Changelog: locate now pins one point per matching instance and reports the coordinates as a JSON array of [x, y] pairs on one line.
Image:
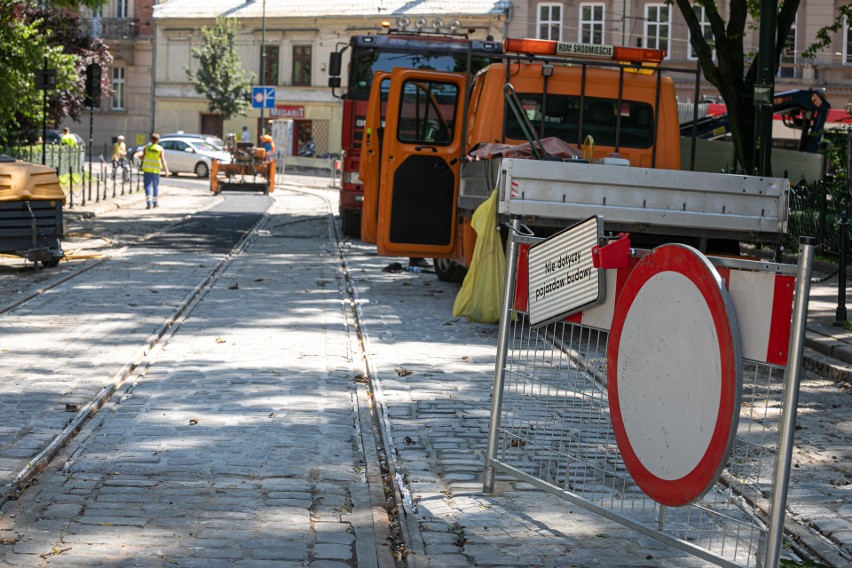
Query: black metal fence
[[81, 180], [816, 210]]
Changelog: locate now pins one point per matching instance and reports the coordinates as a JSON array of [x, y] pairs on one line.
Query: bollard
[[840, 313]]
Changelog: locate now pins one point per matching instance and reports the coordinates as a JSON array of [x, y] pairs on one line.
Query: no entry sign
[[674, 365]]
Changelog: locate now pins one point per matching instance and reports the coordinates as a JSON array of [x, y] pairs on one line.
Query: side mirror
[[334, 82], [335, 61], [189, 150]]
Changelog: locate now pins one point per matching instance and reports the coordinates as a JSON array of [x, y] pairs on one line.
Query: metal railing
[[110, 28], [551, 427], [73, 170]]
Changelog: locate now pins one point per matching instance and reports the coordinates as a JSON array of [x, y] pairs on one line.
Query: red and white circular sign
[[674, 364]]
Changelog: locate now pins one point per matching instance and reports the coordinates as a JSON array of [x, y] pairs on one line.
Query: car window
[[167, 144], [204, 147], [180, 145]]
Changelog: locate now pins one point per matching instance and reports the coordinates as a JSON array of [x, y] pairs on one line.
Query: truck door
[[420, 170], [371, 154]]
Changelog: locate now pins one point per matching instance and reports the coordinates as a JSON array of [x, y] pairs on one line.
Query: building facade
[[657, 24], [152, 43], [285, 46], [127, 28]]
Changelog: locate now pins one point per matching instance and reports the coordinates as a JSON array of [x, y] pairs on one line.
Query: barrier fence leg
[[840, 312], [502, 350], [792, 379]]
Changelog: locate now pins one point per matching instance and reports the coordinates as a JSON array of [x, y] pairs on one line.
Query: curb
[[825, 365]]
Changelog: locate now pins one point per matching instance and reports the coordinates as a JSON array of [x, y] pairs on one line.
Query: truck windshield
[[561, 118], [366, 61]]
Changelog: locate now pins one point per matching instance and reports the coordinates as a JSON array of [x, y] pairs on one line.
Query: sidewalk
[[828, 347]]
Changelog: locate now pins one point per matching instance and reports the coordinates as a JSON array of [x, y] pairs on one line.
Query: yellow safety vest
[[151, 158], [118, 150]]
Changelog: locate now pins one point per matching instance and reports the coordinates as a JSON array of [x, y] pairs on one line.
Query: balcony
[[110, 28]]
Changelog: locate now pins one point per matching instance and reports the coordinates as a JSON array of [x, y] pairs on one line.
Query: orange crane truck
[[432, 155]]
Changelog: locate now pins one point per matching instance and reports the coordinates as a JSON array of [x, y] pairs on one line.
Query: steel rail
[[399, 512], [153, 342]]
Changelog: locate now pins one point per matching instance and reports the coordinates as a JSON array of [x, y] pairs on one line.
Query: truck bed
[[639, 200]]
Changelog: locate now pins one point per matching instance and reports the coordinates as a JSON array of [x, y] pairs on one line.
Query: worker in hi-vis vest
[[153, 160]]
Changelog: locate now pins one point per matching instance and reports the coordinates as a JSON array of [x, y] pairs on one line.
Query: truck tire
[[448, 270], [350, 223]]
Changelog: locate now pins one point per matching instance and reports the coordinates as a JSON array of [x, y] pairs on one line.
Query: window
[[847, 43], [549, 24], [428, 112], [657, 27], [121, 9], [302, 65], [788, 53], [701, 14], [118, 86], [561, 118], [270, 65], [592, 23]]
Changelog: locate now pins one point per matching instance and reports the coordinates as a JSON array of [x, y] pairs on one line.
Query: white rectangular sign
[[563, 279], [594, 50]]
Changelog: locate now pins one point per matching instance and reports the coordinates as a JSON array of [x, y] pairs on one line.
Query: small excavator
[[250, 169]]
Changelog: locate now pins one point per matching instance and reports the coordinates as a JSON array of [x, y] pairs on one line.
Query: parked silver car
[[214, 141], [192, 155]]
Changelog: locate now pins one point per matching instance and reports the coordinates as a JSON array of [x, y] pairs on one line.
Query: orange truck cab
[[420, 127]]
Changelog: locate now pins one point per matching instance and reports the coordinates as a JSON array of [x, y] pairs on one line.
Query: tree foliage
[[29, 34], [734, 71], [824, 35], [220, 77]]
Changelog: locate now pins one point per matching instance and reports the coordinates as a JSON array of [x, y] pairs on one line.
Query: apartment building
[[657, 24], [152, 43], [127, 28], [286, 46]]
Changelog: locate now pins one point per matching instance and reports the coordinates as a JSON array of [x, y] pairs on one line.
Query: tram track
[[388, 506], [142, 359], [384, 484]]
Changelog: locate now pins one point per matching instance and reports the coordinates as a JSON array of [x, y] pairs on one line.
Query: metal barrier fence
[[81, 181], [816, 209], [551, 427]]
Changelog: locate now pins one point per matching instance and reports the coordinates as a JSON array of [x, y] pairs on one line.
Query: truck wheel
[[202, 170], [350, 222], [448, 270]]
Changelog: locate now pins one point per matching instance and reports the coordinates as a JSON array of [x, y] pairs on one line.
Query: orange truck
[[431, 155]]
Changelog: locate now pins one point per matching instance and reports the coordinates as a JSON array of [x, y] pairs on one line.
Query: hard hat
[[121, 137]]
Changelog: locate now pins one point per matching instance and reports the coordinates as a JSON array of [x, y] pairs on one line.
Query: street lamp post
[[262, 57]]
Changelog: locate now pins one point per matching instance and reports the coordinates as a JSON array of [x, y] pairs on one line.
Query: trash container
[[31, 201]]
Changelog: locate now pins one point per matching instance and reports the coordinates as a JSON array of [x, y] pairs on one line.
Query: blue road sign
[[263, 97]]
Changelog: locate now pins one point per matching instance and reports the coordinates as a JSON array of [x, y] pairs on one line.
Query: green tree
[[733, 71], [220, 77], [29, 33]]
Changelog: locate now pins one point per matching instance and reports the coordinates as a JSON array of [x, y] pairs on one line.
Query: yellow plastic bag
[[481, 293]]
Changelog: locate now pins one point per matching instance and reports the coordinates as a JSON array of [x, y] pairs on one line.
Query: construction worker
[[268, 144], [119, 154], [68, 139], [153, 161]]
